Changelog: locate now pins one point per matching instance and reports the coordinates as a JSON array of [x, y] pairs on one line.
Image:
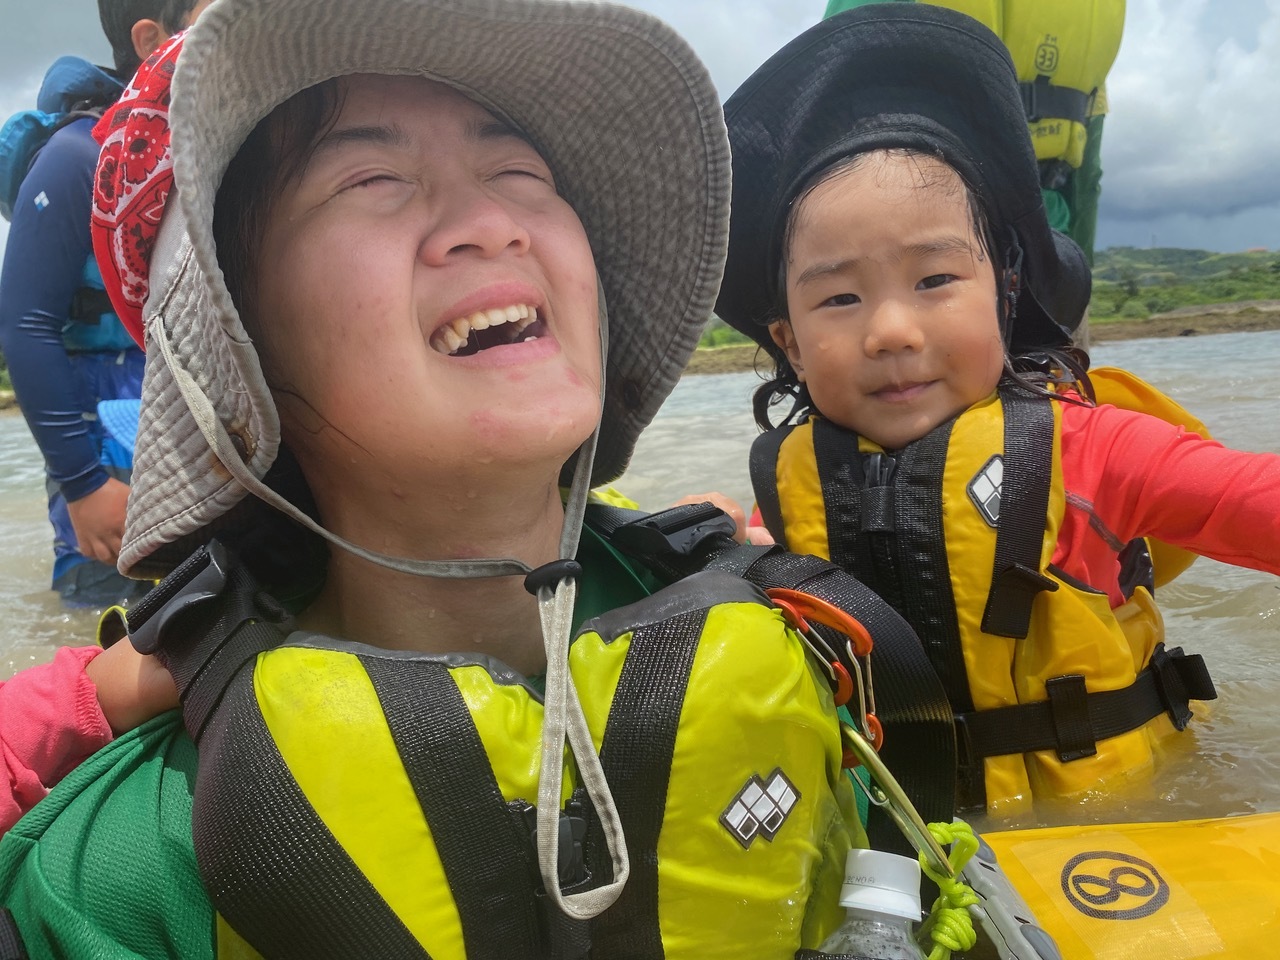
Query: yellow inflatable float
[[1139, 891]]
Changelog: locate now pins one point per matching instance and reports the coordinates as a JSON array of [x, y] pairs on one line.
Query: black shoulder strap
[[206, 622], [763, 464], [1024, 503], [910, 702]]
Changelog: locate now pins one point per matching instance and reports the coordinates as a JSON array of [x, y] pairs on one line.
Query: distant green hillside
[[1134, 283]]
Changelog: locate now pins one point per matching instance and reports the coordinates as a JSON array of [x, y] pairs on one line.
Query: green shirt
[[104, 867]]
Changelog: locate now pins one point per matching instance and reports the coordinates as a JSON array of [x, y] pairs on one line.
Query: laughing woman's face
[[427, 302]]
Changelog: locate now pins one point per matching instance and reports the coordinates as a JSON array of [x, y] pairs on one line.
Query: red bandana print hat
[[133, 180]]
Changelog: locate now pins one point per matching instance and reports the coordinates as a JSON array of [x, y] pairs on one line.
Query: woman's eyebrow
[[391, 135], [492, 129]]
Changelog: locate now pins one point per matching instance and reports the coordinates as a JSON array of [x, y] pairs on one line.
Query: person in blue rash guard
[[64, 355]]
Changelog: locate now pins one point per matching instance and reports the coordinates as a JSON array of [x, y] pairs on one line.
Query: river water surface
[[1228, 762]]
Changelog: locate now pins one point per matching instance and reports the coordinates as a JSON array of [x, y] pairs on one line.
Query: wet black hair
[[288, 559], [119, 16], [1042, 372]]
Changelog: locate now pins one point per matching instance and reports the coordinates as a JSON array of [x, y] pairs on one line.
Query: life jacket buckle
[[679, 531], [841, 666], [1179, 680], [199, 579]]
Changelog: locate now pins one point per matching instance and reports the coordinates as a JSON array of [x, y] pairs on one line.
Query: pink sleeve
[[49, 722], [1148, 478]]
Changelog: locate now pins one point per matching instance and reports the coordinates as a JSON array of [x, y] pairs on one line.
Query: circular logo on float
[[1113, 886]]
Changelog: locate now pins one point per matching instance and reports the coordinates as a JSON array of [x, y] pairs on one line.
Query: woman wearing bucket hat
[[377, 302], [889, 249]]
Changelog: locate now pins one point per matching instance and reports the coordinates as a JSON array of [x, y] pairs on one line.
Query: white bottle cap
[[882, 882]]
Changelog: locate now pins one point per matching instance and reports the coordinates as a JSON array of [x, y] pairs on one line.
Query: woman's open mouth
[[496, 327]]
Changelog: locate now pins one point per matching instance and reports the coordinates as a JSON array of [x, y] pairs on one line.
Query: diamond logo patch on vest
[[760, 808], [984, 490]]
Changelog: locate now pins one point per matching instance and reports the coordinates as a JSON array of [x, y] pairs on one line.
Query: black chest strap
[[1073, 719], [1016, 578]]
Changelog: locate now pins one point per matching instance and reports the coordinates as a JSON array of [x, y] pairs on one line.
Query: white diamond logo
[[984, 490], [760, 808]]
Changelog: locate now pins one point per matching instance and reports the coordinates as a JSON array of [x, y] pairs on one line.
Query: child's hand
[[727, 504], [132, 688]]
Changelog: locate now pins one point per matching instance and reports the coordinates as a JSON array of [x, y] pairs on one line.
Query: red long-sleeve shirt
[[50, 721], [1130, 475]]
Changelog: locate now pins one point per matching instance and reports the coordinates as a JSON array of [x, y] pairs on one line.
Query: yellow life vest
[[885, 518], [1062, 50], [356, 801]]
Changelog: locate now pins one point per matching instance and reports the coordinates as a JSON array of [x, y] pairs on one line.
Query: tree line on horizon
[[1129, 283], [1132, 283]]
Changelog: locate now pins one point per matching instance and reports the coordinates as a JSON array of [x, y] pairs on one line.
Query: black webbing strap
[[88, 304], [1073, 720], [271, 865], [842, 476], [910, 702], [11, 945], [763, 465], [919, 742], [204, 622], [639, 741], [1024, 503], [1043, 100], [483, 844], [883, 519]]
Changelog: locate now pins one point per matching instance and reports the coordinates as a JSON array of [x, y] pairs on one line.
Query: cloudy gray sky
[[1192, 147]]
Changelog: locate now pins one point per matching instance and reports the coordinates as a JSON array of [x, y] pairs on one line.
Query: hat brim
[[878, 77], [617, 103]]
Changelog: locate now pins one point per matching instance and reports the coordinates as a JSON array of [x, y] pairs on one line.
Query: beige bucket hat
[[616, 102]]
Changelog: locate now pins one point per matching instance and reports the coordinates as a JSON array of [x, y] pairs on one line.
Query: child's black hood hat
[[892, 75]]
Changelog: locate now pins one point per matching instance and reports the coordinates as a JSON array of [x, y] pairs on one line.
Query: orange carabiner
[[805, 607]]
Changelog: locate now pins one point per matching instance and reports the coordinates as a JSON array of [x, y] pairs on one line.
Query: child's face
[[892, 300]]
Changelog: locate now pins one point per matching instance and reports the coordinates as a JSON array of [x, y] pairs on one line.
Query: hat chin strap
[[563, 719]]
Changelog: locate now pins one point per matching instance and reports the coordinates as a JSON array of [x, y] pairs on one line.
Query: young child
[[889, 248]]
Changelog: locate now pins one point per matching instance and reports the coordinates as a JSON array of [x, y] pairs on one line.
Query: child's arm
[[55, 715], [1145, 477]]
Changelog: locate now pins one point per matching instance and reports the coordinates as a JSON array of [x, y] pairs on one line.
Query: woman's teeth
[[506, 324]]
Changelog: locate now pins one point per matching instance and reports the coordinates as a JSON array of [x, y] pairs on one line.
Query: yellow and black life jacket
[[1062, 50], [1055, 694], [356, 801]]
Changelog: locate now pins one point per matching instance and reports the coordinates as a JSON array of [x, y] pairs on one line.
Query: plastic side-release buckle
[[567, 938], [1179, 679], [201, 578], [680, 531]]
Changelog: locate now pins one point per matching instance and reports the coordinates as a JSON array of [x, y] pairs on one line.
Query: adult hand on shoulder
[[132, 688], [98, 521]]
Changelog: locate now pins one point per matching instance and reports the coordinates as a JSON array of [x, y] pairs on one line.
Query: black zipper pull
[[876, 501]]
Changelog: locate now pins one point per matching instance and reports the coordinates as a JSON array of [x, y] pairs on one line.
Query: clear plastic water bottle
[[881, 893]]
